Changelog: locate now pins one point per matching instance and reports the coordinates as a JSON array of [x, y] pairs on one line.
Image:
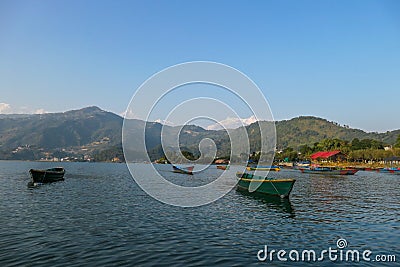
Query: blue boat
[[389, 170]]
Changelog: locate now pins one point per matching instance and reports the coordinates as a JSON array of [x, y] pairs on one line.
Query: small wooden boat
[[389, 170], [223, 167], [47, 176], [328, 171], [264, 168], [267, 186], [184, 170]]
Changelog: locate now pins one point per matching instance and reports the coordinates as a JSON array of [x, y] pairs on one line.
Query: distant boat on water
[[303, 164], [368, 169], [268, 186], [264, 168], [223, 167], [389, 170], [328, 171], [184, 170], [48, 175]]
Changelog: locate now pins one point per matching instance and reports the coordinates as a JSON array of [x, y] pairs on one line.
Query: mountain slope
[[60, 130], [308, 130], [91, 130]]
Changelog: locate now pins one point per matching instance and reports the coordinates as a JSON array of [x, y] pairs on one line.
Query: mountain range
[[90, 131]]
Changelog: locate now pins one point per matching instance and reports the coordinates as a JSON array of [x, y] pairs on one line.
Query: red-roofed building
[[335, 155]]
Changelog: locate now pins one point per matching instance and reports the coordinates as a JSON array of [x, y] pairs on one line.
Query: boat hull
[[185, 170], [222, 167], [389, 170], [261, 168], [47, 176], [330, 172], [271, 187]]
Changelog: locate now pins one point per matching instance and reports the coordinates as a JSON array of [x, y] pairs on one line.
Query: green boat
[[268, 186]]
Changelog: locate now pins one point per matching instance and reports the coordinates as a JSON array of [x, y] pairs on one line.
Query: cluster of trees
[[397, 144], [356, 150], [109, 154], [26, 154], [372, 154]]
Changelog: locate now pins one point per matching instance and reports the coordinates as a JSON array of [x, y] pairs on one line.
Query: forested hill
[[59, 130], [90, 131], [308, 130]]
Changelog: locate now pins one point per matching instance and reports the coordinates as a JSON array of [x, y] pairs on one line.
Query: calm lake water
[[98, 216]]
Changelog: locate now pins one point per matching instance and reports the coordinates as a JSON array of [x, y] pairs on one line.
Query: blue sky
[[339, 60]]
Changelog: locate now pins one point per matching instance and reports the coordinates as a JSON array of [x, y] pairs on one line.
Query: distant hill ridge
[[58, 130], [308, 130], [90, 126]]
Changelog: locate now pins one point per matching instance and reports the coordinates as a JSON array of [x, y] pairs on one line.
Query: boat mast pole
[[44, 175]]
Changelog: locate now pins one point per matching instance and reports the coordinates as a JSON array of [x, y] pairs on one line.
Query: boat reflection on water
[[273, 202]]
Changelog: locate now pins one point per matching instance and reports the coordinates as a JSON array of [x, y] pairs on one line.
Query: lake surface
[[98, 216]]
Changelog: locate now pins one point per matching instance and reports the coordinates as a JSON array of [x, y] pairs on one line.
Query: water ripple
[[99, 216]]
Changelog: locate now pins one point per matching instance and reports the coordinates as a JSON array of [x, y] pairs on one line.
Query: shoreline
[[332, 164]]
